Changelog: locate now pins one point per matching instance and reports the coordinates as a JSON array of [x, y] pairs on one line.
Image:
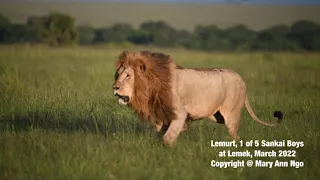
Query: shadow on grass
[[68, 123]]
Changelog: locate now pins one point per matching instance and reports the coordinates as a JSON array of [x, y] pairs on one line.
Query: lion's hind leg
[[232, 124], [231, 111], [231, 121]]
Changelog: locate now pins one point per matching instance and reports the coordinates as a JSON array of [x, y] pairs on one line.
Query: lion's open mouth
[[125, 99]]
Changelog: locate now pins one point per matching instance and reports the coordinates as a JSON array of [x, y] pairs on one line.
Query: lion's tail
[[277, 114]]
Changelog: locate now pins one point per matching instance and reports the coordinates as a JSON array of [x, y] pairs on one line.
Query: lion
[[171, 96]]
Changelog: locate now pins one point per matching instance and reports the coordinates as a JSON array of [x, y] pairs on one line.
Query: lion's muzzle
[[122, 99]]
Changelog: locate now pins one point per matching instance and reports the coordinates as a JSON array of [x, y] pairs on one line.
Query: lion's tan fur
[[168, 94]]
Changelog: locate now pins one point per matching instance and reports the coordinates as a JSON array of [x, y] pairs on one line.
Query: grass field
[[60, 120]]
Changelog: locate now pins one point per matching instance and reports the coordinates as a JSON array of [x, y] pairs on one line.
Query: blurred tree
[[213, 42], [102, 35], [59, 29], [37, 23], [4, 25], [182, 37], [212, 38], [162, 34], [276, 39], [241, 37], [118, 33], [203, 32], [193, 43], [4, 20], [121, 32], [18, 33], [141, 37], [316, 42], [15, 33], [307, 33], [86, 35]]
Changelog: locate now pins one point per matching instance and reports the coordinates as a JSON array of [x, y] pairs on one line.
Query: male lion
[[170, 96]]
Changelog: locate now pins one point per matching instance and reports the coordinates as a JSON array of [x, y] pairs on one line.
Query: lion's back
[[203, 79]]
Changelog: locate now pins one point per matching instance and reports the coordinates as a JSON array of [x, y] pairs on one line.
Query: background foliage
[[59, 29]]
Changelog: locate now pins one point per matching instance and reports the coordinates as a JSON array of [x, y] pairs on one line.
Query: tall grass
[[59, 119]]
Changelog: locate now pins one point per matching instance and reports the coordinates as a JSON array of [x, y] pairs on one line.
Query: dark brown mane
[[152, 84]]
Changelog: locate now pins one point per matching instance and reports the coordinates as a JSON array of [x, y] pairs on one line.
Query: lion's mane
[[152, 91]]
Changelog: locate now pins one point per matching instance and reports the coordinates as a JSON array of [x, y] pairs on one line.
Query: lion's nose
[[115, 87]]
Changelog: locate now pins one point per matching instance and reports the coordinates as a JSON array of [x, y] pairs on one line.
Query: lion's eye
[[128, 75]]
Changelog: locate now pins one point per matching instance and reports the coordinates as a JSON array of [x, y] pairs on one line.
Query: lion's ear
[[124, 54], [146, 54], [142, 67], [141, 64]]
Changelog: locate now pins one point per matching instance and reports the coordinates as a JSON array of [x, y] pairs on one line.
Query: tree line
[[57, 29]]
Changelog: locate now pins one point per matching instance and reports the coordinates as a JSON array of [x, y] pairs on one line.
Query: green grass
[[60, 120]]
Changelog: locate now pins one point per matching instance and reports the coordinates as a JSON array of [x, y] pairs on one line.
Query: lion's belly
[[201, 94]]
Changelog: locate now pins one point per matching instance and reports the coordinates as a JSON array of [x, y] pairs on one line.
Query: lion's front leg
[[161, 128], [174, 129], [185, 126], [158, 126]]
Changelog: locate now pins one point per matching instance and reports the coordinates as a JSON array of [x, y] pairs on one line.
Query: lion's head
[[124, 84], [143, 80]]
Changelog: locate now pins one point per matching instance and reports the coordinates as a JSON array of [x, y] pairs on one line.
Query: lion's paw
[[169, 140]]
